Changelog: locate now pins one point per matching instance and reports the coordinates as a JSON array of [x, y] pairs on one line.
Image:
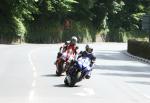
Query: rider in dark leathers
[[89, 54]]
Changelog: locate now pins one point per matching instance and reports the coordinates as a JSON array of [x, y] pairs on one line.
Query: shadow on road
[[112, 55], [139, 82], [51, 75], [143, 69], [126, 71], [127, 75], [63, 85], [112, 68]]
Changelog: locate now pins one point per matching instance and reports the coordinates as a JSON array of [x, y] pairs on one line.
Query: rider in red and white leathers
[[69, 46]]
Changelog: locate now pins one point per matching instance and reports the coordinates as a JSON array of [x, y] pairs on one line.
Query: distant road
[[27, 75]]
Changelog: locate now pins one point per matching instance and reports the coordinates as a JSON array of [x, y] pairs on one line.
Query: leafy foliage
[[20, 17]]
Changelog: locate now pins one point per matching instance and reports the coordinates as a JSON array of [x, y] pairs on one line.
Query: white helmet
[[74, 40]]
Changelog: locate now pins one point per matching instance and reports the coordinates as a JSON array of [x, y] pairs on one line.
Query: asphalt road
[[27, 75]]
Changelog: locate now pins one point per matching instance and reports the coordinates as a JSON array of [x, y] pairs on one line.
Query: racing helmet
[[74, 40], [88, 49]]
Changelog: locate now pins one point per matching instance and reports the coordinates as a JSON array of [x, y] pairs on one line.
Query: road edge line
[[136, 57]]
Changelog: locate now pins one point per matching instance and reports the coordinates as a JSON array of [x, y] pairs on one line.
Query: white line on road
[[31, 62], [31, 94], [86, 92], [145, 95], [34, 83]]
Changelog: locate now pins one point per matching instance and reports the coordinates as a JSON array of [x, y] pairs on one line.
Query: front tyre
[[66, 82], [71, 84], [58, 73], [59, 68]]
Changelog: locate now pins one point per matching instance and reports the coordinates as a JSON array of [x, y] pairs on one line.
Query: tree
[[14, 13], [88, 16]]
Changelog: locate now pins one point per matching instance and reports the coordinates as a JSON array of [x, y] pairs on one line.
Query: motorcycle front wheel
[[69, 82], [66, 82], [59, 69], [58, 73]]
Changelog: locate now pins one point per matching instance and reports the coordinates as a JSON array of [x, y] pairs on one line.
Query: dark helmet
[[88, 49]]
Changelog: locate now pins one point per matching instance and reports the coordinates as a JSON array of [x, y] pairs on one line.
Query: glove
[[59, 55], [87, 77]]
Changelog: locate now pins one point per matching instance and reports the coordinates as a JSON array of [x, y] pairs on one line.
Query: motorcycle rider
[[72, 44], [89, 54]]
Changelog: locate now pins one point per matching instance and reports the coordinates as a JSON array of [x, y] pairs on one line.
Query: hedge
[[139, 48]]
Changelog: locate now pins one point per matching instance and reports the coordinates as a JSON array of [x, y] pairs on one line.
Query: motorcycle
[[64, 62], [78, 71]]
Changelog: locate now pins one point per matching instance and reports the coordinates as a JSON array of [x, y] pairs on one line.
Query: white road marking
[[86, 92], [89, 91], [31, 96], [81, 94], [35, 74], [34, 83], [33, 66], [31, 62], [145, 95]]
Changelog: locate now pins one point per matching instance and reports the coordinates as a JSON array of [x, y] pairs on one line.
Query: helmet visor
[[73, 41], [90, 50]]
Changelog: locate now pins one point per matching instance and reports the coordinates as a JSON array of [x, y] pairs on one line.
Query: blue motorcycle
[[80, 70]]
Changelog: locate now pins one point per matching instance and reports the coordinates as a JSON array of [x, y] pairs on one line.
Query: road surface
[[27, 75]]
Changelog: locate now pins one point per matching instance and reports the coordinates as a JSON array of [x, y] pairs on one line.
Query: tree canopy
[[18, 16]]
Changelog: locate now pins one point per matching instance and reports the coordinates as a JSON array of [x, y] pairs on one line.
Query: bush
[[115, 35], [122, 35], [139, 48], [19, 27], [52, 31], [11, 29], [83, 30], [44, 31]]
